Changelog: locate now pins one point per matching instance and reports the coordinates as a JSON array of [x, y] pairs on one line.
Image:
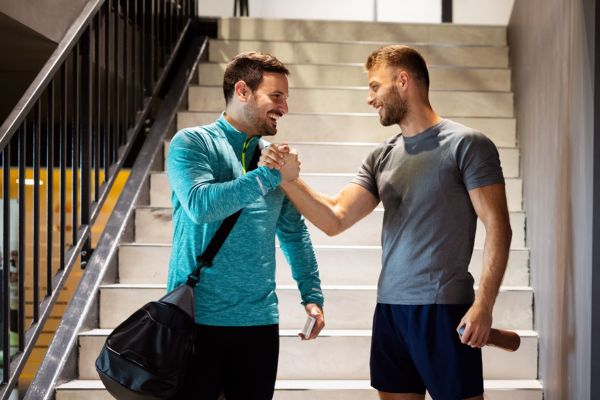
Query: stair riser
[[331, 31], [160, 191], [354, 127], [346, 308], [441, 78], [333, 53], [372, 395], [456, 103], [154, 225], [347, 159], [339, 266], [328, 358], [316, 394]]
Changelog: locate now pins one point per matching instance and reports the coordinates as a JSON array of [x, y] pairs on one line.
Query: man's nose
[[284, 107], [370, 100]]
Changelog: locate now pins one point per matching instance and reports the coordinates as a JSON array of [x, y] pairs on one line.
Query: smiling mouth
[[274, 117]]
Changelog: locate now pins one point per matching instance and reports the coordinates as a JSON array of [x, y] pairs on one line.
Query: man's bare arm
[[490, 205], [332, 215]]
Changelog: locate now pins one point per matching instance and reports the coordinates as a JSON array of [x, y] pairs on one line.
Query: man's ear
[[242, 91], [402, 80]]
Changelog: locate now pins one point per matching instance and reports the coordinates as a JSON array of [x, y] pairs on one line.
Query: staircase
[[333, 129]]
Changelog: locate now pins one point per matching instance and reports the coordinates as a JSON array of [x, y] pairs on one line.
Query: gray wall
[[49, 18], [553, 61]]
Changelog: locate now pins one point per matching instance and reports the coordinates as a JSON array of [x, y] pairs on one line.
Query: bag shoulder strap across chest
[[205, 260]]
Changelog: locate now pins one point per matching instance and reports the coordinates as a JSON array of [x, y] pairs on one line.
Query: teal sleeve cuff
[[268, 178]]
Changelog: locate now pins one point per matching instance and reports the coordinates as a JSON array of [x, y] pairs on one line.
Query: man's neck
[[238, 123], [418, 120]]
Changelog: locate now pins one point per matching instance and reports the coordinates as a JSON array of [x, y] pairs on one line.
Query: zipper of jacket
[[244, 149]]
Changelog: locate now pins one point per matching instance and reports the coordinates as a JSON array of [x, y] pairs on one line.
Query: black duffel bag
[[146, 356]]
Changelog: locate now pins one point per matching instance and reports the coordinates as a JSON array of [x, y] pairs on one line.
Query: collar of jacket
[[235, 137]]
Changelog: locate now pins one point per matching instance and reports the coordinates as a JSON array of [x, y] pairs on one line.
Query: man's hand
[[477, 322], [273, 156], [316, 312], [282, 158], [291, 167]]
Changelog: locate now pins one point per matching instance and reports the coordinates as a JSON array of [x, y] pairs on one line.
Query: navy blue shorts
[[416, 347]]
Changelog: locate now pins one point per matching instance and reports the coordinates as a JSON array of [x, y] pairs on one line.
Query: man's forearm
[[316, 207], [495, 257]]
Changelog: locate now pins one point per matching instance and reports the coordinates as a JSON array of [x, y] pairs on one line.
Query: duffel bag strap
[[205, 260]]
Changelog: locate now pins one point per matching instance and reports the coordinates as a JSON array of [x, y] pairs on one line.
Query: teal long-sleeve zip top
[[208, 183]]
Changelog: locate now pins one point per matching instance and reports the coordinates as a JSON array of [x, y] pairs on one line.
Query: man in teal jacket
[[236, 304]]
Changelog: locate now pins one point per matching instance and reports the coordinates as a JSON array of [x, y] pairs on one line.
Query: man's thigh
[[251, 370], [417, 347]]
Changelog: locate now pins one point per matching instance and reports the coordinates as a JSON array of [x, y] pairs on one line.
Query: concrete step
[[338, 31], [347, 158], [154, 225], [353, 127], [353, 100], [307, 52], [338, 265], [322, 390], [331, 184], [328, 358], [344, 75], [347, 307]]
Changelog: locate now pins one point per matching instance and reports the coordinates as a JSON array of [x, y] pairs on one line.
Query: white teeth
[[274, 117]]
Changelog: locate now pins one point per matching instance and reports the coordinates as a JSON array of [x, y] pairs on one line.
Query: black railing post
[[85, 133], [22, 161], [447, 10], [6, 264], [116, 131], [97, 102], [64, 127], [107, 93], [75, 143], [50, 188], [37, 131], [149, 54]]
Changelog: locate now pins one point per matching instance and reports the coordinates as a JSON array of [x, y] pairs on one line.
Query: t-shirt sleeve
[[366, 175], [478, 161]]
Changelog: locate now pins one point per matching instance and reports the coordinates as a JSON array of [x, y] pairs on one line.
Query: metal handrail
[[58, 363], [93, 97]]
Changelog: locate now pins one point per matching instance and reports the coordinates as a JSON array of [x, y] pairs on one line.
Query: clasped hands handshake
[[282, 158]]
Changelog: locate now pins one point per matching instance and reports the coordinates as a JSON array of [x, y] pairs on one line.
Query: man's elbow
[[509, 233], [332, 229]]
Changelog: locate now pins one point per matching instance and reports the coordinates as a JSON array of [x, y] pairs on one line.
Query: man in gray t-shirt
[[434, 180], [429, 222]]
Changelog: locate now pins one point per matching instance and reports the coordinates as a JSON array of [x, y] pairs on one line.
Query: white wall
[[495, 12]]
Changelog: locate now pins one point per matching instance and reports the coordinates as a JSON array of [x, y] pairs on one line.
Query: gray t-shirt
[[429, 222]]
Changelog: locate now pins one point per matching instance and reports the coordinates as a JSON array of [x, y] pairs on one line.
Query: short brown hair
[[250, 67], [400, 56]]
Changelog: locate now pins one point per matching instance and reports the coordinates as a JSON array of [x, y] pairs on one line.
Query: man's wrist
[[288, 184]]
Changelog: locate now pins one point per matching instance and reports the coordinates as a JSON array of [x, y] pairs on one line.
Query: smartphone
[[308, 326]]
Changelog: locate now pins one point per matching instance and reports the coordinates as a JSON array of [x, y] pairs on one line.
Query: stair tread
[[321, 246], [364, 42], [328, 384], [290, 287], [364, 89], [378, 209], [346, 114], [526, 333]]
